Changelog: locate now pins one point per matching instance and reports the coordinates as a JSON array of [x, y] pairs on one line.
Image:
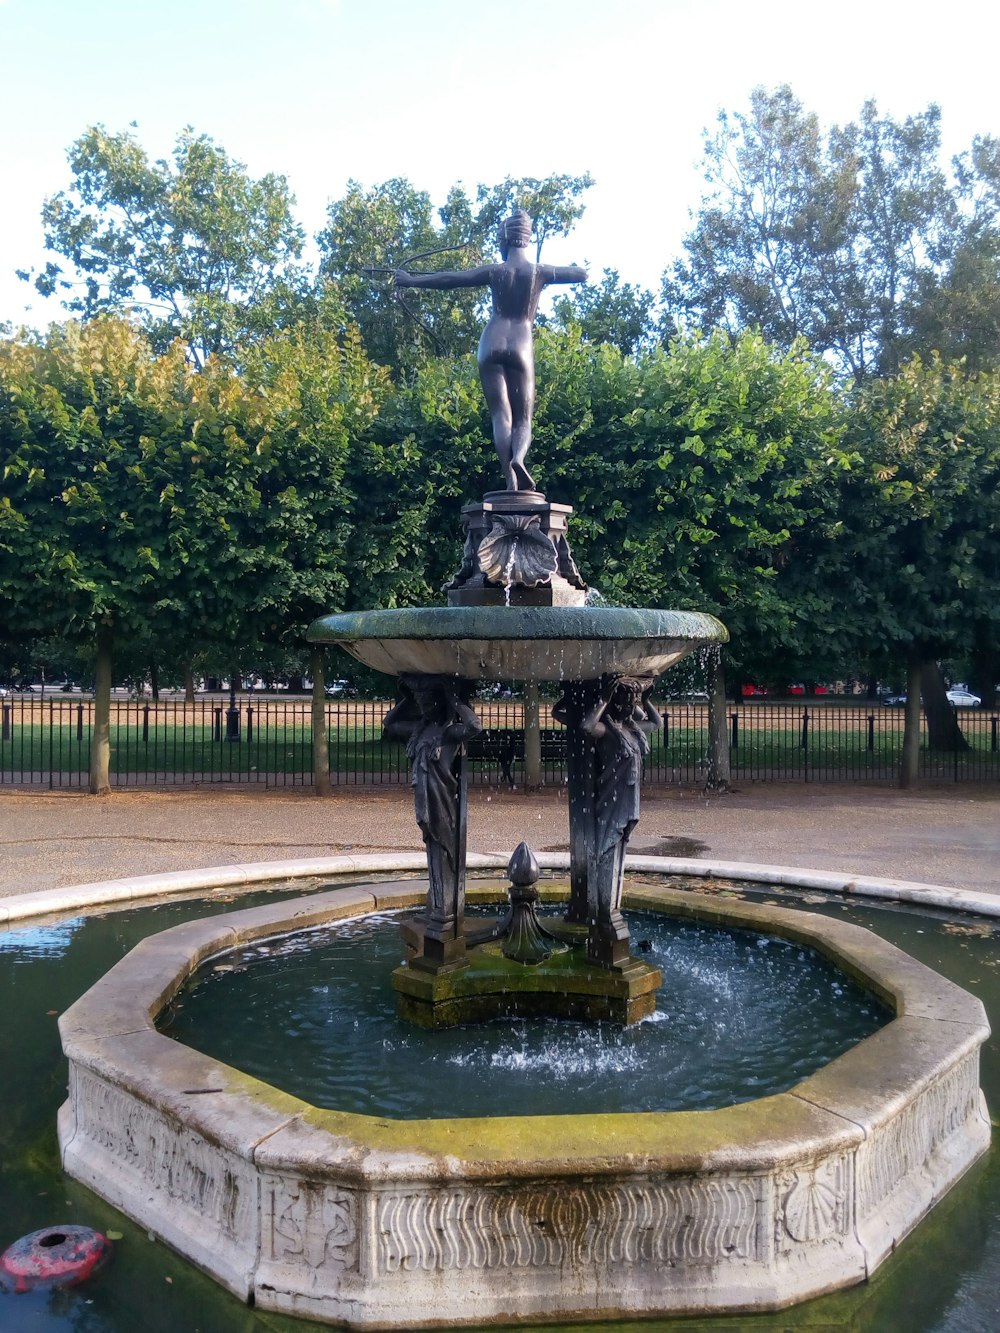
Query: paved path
[[941, 836]]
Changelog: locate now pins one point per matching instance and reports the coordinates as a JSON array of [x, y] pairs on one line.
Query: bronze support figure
[[433, 716], [609, 722]]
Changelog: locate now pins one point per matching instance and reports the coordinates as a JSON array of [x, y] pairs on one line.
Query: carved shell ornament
[[811, 1208], [517, 553]]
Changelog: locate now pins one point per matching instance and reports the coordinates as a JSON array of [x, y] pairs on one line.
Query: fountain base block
[[490, 986]]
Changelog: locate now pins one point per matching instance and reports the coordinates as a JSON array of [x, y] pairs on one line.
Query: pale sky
[[445, 90]]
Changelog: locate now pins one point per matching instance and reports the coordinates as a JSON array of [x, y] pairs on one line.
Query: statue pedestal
[[516, 554], [565, 985]]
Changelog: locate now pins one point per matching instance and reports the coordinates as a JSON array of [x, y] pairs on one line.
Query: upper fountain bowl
[[519, 643]]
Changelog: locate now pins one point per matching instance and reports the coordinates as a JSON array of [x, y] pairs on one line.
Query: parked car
[[335, 688], [894, 700], [963, 698], [4, 691]]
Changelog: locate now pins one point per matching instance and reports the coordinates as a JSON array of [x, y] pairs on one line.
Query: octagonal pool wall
[[379, 1223]]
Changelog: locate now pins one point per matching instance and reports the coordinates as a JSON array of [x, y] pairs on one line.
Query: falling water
[[508, 573]]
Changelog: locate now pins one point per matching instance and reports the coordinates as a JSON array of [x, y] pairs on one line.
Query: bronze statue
[[434, 718], [618, 724], [506, 353]]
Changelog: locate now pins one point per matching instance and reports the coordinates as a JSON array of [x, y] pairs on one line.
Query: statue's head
[[429, 694], [515, 231], [626, 698]]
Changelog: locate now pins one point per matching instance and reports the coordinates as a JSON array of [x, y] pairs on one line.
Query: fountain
[[517, 610], [374, 1222]]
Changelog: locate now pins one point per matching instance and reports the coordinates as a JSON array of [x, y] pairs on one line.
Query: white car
[[963, 698]]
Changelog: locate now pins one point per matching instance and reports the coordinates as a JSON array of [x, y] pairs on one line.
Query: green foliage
[[386, 226], [185, 509], [192, 248], [611, 311], [831, 237], [919, 551]]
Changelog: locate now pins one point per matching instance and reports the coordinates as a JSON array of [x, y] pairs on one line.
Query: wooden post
[[320, 740], [100, 741], [909, 764], [532, 737]]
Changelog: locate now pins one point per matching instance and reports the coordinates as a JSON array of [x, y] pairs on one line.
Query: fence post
[[249, 722], [871, 731], [217, 728], [6, 725], [79, 722], [736, 731], [666, 730], [993, 733], [804, 742], [145, 723]]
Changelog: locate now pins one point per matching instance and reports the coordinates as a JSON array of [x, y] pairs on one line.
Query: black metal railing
[[45, 741]]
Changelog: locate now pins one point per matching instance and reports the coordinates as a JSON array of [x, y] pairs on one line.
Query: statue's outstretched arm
[[472, 277], [567, 273]]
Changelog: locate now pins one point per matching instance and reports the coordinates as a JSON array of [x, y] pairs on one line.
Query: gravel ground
[[936, 835]]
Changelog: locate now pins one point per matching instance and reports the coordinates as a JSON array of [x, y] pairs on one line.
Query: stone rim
[[375, 1223], [517, 622]]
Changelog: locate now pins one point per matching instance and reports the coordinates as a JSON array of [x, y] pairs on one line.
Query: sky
[[439, 91]]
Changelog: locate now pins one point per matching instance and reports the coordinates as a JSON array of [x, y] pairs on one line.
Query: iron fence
[[46, 742]]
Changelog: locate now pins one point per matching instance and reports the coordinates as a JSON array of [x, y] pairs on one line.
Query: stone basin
[[377, 1223], [519, 643]]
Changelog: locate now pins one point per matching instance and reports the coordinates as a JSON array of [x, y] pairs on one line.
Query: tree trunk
[[985, 671], [532, 737], [100, 741], [320, 740], [943, 731], [719, 774], [188, 684], [909, 763], [154, 684]]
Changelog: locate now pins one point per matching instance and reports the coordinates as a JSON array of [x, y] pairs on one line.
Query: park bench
[[505, 745]]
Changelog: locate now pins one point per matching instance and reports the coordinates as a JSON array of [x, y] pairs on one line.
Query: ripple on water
[[739, 1016]]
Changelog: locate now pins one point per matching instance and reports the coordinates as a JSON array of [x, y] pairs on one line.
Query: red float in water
[[54, 1257]]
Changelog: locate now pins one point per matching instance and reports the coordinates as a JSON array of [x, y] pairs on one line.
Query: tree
[[610, 311], [193, 248], [919, 553], [830, 237], [956, 309], [555, 204], [389, 225], [381, 229], [144, 503]]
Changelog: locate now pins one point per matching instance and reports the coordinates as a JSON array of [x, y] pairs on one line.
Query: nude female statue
[[506, 356]]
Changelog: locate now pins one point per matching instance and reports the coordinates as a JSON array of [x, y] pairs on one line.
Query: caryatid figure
[[506, 348], [434, 718]]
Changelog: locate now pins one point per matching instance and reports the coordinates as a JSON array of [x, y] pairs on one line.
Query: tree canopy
[[192, 247], [838, 236]]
